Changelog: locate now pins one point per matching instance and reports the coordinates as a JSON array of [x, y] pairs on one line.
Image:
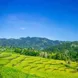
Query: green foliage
[[65, 51], [28, 51], [29, 46], [14, 65], [14, 73], [35, 67], [29, 42]]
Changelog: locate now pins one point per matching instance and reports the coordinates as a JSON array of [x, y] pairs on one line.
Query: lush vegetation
[[38, 58], [65, 51], [35, 46], [7, 72], [14, 65], [29, 42]]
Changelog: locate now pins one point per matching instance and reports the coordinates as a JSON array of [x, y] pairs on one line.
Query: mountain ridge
[[29, 42]]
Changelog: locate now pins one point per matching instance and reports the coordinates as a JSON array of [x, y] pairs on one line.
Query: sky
[[53, 19]]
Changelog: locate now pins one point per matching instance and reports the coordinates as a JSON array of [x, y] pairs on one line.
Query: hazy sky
[[53, 19]]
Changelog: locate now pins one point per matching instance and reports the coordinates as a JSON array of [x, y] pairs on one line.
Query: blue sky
[[53, 19]]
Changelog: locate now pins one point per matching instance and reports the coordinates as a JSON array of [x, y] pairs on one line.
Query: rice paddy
[[40, 67]]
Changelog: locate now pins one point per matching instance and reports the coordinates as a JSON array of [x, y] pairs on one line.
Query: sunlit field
[[34, 67]]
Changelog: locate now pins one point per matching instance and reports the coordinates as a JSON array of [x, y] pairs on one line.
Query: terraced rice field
[[41, 67]]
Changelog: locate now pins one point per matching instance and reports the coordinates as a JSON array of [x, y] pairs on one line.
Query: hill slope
[[37, 67], [7, 72], [29, 42]]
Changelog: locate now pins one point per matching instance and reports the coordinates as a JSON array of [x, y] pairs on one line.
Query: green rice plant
[[20, 66]]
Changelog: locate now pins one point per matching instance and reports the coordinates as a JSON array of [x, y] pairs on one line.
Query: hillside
[[36, 67], [29, 42], [35, 46], [7, 72], [67, 50]]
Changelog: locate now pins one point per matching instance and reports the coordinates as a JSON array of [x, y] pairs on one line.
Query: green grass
[[6, 72], [21, 66]]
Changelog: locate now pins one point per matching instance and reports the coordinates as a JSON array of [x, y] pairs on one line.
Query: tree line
[[66, 51]]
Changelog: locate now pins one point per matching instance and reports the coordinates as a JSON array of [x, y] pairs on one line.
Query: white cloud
[[22, 28]]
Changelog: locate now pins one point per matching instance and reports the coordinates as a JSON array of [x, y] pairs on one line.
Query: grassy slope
[[20, 66], [7, 72]]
